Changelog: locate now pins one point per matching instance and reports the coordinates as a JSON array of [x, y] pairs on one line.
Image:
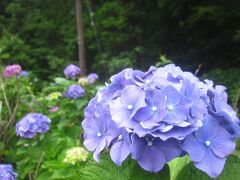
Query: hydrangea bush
[[72, 71], [32, 124], [12, 70], [74, 92], [39, 129], [161, 114]]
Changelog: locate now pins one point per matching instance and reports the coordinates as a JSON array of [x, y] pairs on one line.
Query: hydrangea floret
[[83, 81], [31, 124], [75, 155], [12, 70], [74, 92], [158, 115], [7, 172], [92, 78], [54, 109], [72, 71]]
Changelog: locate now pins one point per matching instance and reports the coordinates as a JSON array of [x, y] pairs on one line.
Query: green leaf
[[62, 81], [138, 173], [129, 170], [70, 174], [106, 170], [80, 103], [176, 166], [1, 146]]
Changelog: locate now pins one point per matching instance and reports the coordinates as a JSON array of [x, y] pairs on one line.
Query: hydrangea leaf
[[140, 174], [176, 166], [62, 81], [106, 169]]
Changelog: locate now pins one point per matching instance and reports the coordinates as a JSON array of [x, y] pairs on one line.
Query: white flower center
[[99, 134], [31, 120], [120, 137], [97, 114], [154, 108], [130, 107], [170, 107], [207, 143], [148, 82], [150, 143]]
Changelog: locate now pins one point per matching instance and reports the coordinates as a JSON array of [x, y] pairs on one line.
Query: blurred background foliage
[[41, 35]]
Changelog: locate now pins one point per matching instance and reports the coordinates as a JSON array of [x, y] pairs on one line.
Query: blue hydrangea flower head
[[31, 124], [7, 172], [74, 92], [92, 78], [158, 115], [72, 71]]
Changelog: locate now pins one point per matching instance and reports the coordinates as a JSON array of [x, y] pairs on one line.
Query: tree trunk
[[80, 38]]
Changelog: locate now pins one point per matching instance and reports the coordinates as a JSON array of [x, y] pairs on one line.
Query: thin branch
[[237, 101], [198, 69], [5, 96], [39, 164]]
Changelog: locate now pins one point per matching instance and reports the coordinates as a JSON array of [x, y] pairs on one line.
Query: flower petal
[[211, 164]]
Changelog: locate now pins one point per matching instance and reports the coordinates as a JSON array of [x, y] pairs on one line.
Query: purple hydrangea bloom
[[32, 124], [148, 115], [74, 92], [92, 78], [209, 146], [72, 71], [7, 172], [12, 70]]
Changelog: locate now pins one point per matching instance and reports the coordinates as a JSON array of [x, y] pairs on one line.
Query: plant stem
[[237, 101], [38, 165], [2, 84], [198, 69], [13, 115]]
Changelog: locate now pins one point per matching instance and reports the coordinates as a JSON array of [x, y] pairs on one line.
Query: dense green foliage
[[42, 156], [41, 34]]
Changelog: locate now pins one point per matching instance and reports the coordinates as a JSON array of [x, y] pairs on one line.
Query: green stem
[[13, 115], [5, 96], [38, 165], [237, 100]]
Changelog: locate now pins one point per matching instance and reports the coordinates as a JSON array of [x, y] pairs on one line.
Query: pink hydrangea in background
[[12, 70], [54, 109]]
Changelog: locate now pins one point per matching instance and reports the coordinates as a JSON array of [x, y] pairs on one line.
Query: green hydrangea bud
[[76, 154]]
